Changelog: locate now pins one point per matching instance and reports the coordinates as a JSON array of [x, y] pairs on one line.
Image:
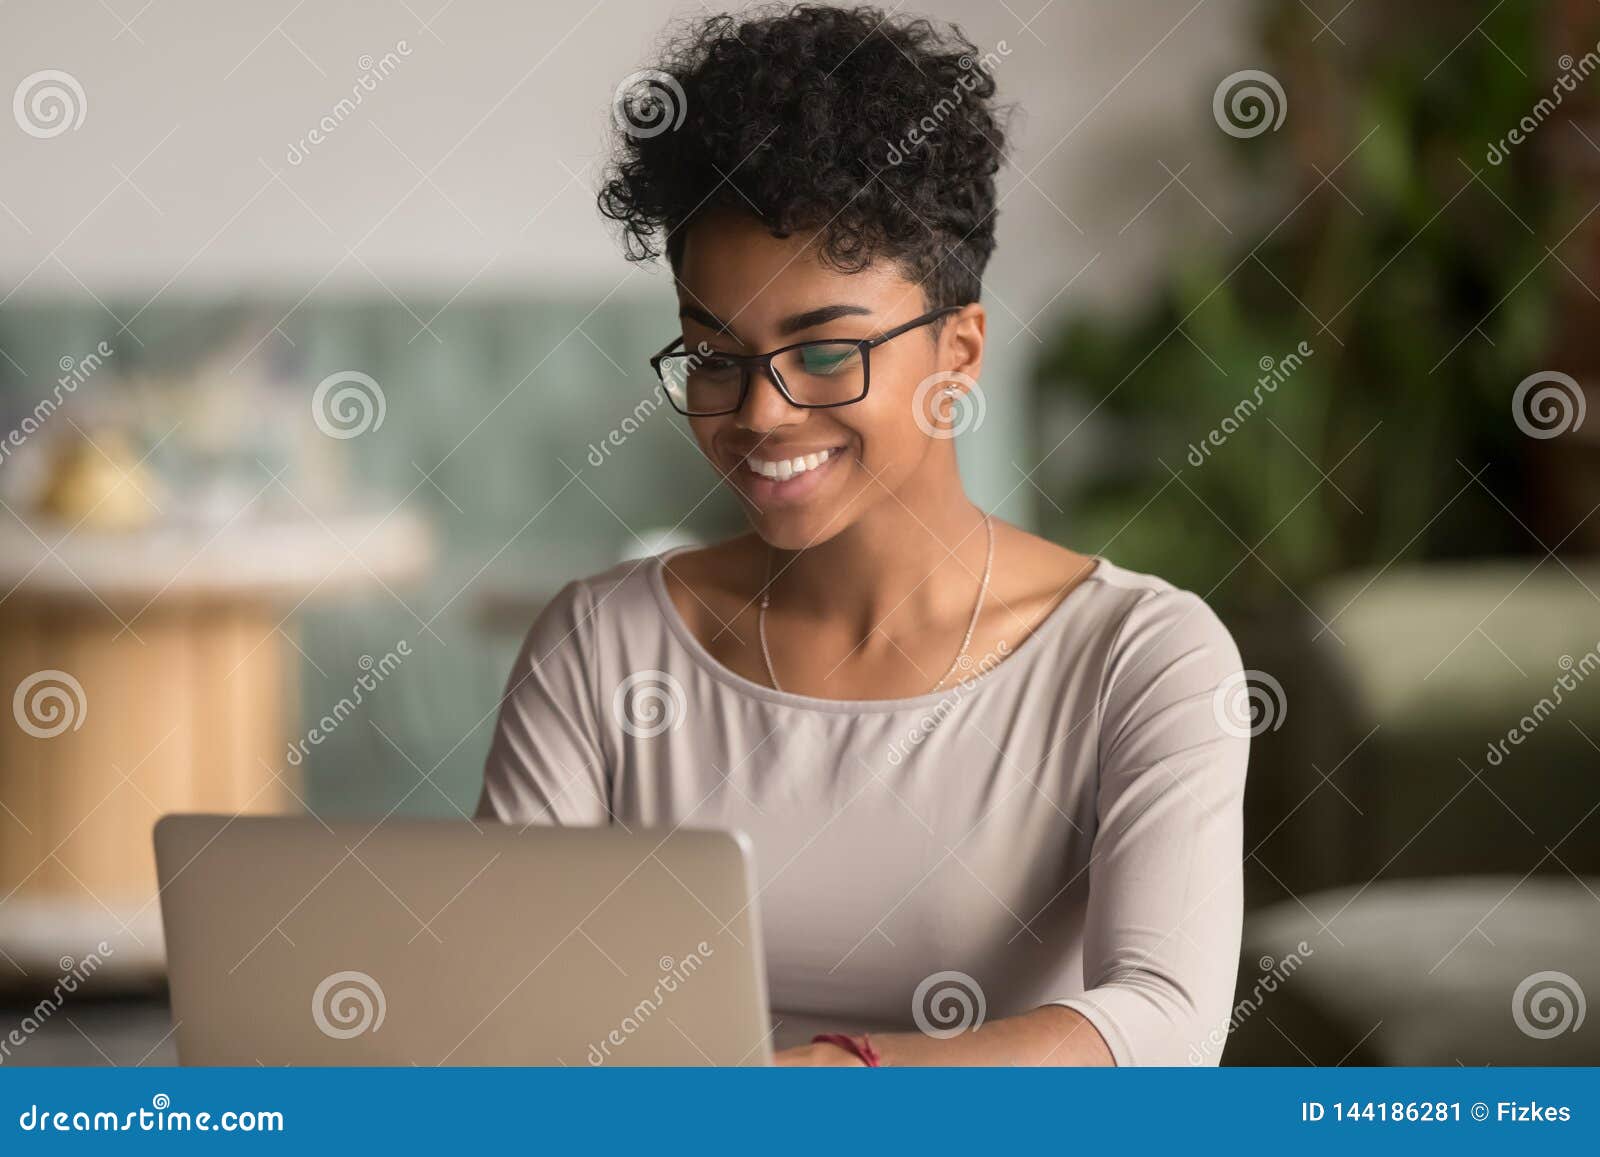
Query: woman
[[983, 774]]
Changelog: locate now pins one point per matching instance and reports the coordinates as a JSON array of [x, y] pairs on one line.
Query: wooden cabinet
[[144, 674]]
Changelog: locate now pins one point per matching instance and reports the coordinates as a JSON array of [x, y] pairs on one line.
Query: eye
[[829, 359]]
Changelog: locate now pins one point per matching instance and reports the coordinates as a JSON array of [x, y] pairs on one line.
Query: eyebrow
[[795, 323], [705, 317], [815, 317]]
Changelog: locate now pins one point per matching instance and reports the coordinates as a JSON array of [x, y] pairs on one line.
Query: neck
[[914, 555]]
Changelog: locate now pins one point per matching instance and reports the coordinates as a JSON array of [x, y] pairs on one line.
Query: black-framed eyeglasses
[[811, 375]]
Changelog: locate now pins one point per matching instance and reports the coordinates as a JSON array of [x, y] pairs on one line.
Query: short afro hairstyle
[[880, 132]]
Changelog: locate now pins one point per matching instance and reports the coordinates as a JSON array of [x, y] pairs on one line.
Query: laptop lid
[[291, 941]]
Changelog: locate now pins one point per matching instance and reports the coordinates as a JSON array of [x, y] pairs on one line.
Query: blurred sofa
[[1460, 920]]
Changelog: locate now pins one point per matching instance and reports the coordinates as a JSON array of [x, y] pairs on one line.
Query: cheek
[[706, 432], [886, 426], [886, 444]]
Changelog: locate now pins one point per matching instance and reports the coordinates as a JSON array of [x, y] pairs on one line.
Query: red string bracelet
[[861, 1049]]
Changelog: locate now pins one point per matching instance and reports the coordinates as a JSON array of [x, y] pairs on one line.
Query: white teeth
[[785, 469]]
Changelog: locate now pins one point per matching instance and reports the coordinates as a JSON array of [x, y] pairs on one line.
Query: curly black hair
[[880, 132]]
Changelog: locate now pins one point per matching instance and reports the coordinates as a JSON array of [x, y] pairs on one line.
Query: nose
[[765, 408]]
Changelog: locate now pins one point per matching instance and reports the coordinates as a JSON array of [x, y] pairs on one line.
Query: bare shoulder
[[1032, 574]]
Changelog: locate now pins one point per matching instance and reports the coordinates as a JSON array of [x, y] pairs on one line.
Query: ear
[[936, 404], [961, 343]]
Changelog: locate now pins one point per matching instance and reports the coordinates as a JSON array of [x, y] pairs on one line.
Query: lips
[[773, 479]]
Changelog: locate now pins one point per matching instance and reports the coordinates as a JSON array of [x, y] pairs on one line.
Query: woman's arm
[[1166, 873], [545, 763]]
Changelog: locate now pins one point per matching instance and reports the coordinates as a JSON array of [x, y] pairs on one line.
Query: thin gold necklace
[[966, 640]]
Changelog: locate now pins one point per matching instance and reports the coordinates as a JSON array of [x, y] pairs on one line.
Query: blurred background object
[[319, 373], [1330, 423], [153, 599]]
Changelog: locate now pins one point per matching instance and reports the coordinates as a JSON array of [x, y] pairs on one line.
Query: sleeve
[[1166, 872], [545, 763]]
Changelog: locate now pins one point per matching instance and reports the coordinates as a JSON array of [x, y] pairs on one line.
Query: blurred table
[[147, 672]]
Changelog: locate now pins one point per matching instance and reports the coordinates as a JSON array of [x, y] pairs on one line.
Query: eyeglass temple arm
[[911, 325]]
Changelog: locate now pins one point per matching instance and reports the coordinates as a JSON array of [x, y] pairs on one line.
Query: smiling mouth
[[783, 469]]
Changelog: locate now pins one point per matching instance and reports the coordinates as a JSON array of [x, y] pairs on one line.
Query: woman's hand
[[817, 1056], [1051, 1035]]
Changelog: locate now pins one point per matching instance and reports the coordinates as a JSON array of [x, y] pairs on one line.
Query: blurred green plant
[[1415, 275]]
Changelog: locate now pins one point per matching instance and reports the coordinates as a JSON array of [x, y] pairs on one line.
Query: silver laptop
[[418, 942]]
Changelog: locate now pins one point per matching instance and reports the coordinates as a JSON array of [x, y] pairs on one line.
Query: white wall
[[472, 165], [474, 162]]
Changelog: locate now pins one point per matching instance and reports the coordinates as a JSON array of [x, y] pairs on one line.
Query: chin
[[804, 510], [797, 530]]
